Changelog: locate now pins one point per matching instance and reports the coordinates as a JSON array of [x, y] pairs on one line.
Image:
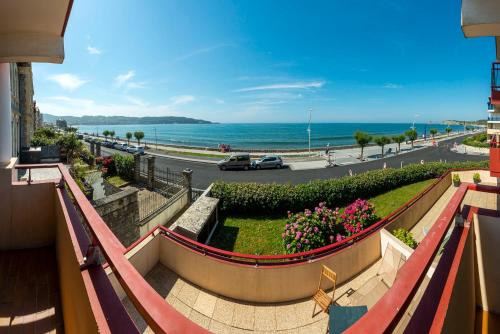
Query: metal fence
[[196, 193], [150, 203], [169, 177]]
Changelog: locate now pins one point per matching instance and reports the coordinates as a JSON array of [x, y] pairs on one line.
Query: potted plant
[[456, 180], [476, 178]]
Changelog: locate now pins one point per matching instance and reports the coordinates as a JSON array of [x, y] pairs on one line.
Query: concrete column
[[5, 115], [188, 178], [137, 167], [97, 150], [151, 172], [92, 149]]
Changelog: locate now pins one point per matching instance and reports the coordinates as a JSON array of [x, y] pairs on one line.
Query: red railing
[[157, 313], [273, 260]]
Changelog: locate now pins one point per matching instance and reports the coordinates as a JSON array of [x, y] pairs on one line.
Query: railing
[[150, 203], [493, 118], [495, 83], [157, 313], [166, 175], [273, 260]]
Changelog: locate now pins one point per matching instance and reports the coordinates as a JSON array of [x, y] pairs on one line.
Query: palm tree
[[382, 141], [448, 130], [398, 140], [139, 135], [129, 136], [362, 138], [433, 132], [112, 134], [412, 135], [105, 133]]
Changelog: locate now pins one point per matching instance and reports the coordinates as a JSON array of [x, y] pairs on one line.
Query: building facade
[[26, 117]]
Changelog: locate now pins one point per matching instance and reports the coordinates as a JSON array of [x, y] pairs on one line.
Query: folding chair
[[321, 297]]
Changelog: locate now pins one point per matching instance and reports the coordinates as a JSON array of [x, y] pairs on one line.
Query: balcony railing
[[158, 314], [493, 118], [495, 84]]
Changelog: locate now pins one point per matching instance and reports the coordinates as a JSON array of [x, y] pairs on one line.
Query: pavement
[[205, 173]]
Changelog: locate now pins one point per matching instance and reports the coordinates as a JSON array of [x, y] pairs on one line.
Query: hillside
[[122, 120]]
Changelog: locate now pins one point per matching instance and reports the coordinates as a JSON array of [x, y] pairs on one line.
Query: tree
[[448, 130], [382, 141], [105, 133], [129, 136], [362, 138], [72, 145], [139, 135], [399, 139], [433, 132], [412, 135], [112, 134]]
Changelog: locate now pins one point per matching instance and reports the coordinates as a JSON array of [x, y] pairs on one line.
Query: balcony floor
[[224, 315], [29, 297]]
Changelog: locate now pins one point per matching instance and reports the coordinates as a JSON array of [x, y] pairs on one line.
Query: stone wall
[[120, 211]]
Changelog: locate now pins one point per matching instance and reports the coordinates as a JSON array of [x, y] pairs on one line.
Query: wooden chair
[[321, 297]]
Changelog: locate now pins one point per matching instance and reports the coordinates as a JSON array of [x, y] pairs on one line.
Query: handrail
[[249, 259], [157, 313]]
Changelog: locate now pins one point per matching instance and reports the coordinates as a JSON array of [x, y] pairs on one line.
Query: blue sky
[[269, 61]]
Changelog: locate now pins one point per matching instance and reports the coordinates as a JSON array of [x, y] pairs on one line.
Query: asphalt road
[[204, 174]]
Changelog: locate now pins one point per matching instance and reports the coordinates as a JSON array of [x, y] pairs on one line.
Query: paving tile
[[265, 318], [289, 331], [188, 294], [205, 303], [219, 328], [199, 319], [177, 286], [244, 316], [223, 311], [303, 310], [182, 308], [286, 317]]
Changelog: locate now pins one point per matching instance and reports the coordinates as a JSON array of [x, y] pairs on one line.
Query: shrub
[[476, 178], [406, 237], [257, 198], [107, 165], [44, 137], [124, 166], [479, 140], [456, 179], [323, 226]]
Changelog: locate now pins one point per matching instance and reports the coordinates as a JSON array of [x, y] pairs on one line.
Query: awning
[[33, 30]]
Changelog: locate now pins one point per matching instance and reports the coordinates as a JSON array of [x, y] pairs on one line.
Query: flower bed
[[323, 226]]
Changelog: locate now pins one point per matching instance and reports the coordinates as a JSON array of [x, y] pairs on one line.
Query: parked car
[[235, 161], [268, 161], [122, 147], [135, 149], [117, 146]]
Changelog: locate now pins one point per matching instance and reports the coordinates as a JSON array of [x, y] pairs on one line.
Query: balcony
[[495, 84], [480, 18], [53, 243]]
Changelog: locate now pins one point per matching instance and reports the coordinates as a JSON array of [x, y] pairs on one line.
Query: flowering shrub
[[107, 165], [323, 226], [358, 216]]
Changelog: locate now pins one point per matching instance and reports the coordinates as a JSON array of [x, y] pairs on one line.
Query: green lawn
[[117, 181], [262, 235]]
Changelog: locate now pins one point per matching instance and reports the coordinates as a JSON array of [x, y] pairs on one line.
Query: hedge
[[261, 198]]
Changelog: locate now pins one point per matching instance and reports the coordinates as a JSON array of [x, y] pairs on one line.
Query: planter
[[456, 183]]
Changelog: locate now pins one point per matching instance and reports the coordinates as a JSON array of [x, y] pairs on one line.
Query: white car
[[135, 149]]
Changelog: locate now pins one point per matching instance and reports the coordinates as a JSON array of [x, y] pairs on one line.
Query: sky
[[269, 61]]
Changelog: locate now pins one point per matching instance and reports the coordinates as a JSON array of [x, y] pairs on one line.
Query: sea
[[260, 135]]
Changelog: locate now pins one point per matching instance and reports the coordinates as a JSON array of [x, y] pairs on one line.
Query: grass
[[117, 181], [262, 235]]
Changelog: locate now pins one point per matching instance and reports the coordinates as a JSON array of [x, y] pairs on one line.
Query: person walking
[[327, 153]]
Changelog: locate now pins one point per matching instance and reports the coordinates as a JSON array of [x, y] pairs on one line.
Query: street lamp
[[156, 139], [309, 130]]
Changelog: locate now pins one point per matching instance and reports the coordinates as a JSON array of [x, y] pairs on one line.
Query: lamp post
[[156, 139], [309, 130]]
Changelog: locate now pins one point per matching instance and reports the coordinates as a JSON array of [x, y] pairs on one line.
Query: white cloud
[[181, 99], [67, 81], [391, 85], [93, 50], [201, 51], [295, 85], [123, 78], [219, 101]]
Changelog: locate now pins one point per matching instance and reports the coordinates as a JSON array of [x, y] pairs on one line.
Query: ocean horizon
[[261, 135]]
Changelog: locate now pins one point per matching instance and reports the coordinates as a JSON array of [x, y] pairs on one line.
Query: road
[[204, 174]]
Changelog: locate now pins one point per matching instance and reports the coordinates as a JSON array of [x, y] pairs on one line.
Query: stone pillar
[[5, 115], [151, 172], [97, 149], [137, 167], [188, 179], [92, 148]]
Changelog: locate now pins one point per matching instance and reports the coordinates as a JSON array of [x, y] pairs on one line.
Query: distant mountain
[[122, 120], [455, 122]]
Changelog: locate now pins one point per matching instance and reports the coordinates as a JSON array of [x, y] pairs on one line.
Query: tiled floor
[[224, 315], [29, 299]]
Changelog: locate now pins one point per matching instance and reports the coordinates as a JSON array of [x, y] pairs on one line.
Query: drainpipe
[[5, 115]]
